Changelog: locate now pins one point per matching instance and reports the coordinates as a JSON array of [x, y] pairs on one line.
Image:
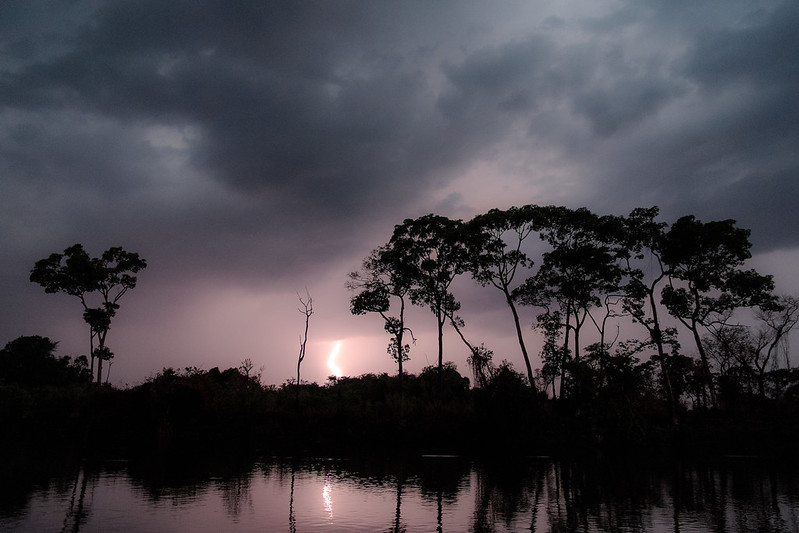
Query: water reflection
[[77, 512], [327, 498], [424, 494], [398, 525], [441, 478], [292, 520]]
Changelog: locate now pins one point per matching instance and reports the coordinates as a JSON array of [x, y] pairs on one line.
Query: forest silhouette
[[719, 384]]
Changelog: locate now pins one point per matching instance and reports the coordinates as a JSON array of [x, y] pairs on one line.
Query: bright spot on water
[[328, 499], [331, 360]]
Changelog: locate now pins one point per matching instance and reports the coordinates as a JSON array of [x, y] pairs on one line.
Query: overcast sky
[[248, 150]]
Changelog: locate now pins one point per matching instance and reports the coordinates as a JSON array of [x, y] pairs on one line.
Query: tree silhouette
[[306, 310], [642, 241], [31, 361], [593, 269], [384, 276], [434, 254], [705, 281], [495, 247], [754, 350], [777, 321], [580, 265], [76, 273]]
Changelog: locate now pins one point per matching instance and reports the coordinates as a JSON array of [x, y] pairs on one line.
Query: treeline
[[723, 379], [230, 411], [586, 274]]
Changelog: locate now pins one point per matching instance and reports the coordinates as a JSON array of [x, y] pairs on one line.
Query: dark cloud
[[763, 50]]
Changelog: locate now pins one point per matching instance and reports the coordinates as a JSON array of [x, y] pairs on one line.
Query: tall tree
[[434, 255], [580, 266], [642, 240], [76, 273], [383, 277], [495, 241], [705, 278]]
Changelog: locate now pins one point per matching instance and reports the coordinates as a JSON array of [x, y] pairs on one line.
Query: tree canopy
[[591, 269], [76, 273]]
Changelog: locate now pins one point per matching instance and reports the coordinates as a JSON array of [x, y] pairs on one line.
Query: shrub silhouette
[[30, 361]]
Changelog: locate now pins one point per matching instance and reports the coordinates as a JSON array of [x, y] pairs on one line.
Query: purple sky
[[250, 152]]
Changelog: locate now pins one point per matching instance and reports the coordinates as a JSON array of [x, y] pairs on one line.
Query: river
[[420, 494]]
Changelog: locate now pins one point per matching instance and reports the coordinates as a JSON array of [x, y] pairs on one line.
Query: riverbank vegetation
[[610, 297], [226, 411]]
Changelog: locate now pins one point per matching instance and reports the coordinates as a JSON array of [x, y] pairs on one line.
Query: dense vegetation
[[594, 274], [733, 391], [228, 411]]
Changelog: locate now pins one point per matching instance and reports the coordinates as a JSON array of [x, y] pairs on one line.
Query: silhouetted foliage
[[578, 271], [433, 253], [192, 410], [706, 258], [494, 242], [78, 274], [641, 238], [384, 276], [595, 270], [31, 361]]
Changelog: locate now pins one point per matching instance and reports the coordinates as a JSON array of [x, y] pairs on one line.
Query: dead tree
[[306, 309]]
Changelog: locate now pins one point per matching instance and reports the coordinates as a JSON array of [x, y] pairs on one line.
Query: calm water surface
[[423, 494]]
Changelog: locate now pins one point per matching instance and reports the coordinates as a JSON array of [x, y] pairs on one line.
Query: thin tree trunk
[[101, 349], [307, 310], [481, 379], [399, 336], [91, 351], [520, 337], [440, 323], [705, 366], [657, 336], [564, 355]]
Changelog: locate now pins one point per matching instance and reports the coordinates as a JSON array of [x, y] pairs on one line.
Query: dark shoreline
[[140, 422]]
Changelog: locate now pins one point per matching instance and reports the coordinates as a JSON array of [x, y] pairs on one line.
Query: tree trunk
[[101, 349], [657, 336], [520, 336], [398, 336], [761, 383], [565, 355], [705, 365], [440, 323], [91, 351], [99, 370]]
